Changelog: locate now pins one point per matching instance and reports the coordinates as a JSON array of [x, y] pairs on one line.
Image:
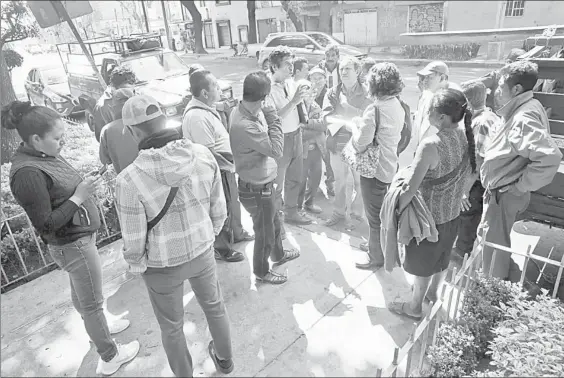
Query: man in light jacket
[[521, 157], [202, 124], [180, 246]]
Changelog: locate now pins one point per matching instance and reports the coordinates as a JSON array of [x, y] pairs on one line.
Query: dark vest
[[65, 180]]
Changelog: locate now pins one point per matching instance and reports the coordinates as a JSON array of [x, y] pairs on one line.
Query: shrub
[[26, 244], [481, 307], [455, 352], [529, 342], [464, 51]]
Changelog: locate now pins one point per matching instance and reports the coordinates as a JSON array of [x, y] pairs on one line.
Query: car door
[[303, 46]]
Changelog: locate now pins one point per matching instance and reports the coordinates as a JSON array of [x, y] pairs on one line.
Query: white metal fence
[[408, 361]]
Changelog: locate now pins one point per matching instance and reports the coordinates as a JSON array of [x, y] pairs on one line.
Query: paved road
[[234, 71]]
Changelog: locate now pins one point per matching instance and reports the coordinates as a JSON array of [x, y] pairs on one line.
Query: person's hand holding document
[[335, 122]]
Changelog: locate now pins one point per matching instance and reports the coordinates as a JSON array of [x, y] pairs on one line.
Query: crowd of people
[[179, 190]]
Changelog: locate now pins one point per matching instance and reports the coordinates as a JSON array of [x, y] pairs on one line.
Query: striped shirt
[[196, 215]]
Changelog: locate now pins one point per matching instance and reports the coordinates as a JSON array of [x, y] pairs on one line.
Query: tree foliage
[[295, 10], [17, 23]]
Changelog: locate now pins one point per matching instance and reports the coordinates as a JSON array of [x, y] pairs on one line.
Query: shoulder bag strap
[[377, 122], [165, 208]]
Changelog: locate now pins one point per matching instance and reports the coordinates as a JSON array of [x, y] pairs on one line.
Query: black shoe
[[234, 256], [224, 366]]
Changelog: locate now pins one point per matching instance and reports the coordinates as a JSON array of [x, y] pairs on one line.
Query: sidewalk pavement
[[330, 319]]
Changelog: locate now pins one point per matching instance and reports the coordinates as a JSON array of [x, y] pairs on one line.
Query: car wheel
[[265, 65], [89, 119]]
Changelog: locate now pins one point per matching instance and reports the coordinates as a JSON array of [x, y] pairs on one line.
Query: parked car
[[49, 86], [310, 45]]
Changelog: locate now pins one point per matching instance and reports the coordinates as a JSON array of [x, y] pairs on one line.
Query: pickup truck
[[160, 73]]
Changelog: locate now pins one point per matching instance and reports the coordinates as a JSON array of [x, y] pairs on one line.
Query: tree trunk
[[292, 15], [251, 13], [9, 138], [198, 25], [325, 16]]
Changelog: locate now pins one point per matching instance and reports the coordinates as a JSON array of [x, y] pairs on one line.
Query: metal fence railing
[[23, 259], [452, 293]]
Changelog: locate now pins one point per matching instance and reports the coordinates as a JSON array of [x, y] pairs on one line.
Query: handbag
[[153, 222], [365, 162]]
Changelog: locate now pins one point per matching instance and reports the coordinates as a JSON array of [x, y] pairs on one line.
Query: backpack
[[406, 130]]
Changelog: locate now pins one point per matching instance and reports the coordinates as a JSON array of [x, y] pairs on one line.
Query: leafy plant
[[455, 353], [13, 59], [26, 245], [458, 52], [529, 342], [481, 307]]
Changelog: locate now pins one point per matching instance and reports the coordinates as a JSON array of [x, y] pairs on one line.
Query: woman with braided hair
[[442, 167], [59, 203]]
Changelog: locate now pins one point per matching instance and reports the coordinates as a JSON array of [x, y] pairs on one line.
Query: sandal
[[289, 255], [273, 278], [397, 307]]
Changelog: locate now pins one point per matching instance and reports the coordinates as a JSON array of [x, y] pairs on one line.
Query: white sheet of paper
[[335, 123]]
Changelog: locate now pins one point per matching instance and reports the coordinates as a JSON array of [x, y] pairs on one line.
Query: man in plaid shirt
[[483, 122], [180, 246]]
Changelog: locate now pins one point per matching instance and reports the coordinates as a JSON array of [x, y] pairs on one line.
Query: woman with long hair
[[59, 202], [443, 164]]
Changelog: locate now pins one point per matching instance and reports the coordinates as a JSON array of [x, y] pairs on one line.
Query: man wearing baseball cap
[[431, 79], [171, 206], [116, 146]]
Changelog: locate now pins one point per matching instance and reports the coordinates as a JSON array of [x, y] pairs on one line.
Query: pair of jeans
[[500, 213], [80, 259], [166, 292], [373, 192], [347, 180], [311, 177], [224, 240], [258, 200], [470, 220], [329, 174], [290, 172]]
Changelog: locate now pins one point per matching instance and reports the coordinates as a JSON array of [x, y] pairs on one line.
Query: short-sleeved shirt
[[280, 96]]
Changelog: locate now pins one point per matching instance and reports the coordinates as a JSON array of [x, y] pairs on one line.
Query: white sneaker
[[118, 325], [125, 354]]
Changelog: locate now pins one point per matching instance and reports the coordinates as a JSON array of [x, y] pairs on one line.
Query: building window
[[514, 8], [202, 3], [222, 2]]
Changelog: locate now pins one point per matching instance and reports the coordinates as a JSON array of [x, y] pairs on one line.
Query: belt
[[255, 187]]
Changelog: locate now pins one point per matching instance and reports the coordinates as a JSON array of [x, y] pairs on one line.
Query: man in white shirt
[[202, 124], [291, 112]]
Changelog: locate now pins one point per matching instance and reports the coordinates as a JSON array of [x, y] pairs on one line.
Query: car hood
[[60, 88], [172, 90], [350, 50]]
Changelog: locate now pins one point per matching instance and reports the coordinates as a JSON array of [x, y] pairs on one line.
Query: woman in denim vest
[[59, 202]]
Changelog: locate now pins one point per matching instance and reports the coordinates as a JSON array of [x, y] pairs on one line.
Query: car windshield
[[323, 40], [157, 67], [54, 76]]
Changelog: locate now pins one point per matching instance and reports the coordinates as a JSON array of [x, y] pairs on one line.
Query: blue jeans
[[311, 177], [81, 261], [290, 172], [259, 201]]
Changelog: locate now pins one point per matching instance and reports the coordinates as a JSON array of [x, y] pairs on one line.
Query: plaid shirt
[[483, 125], [196, 215]]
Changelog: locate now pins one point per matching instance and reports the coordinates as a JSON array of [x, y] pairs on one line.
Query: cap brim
[[425, 72]]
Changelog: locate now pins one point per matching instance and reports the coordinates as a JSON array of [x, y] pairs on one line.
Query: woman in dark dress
[[59, 202], [442, 166]]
